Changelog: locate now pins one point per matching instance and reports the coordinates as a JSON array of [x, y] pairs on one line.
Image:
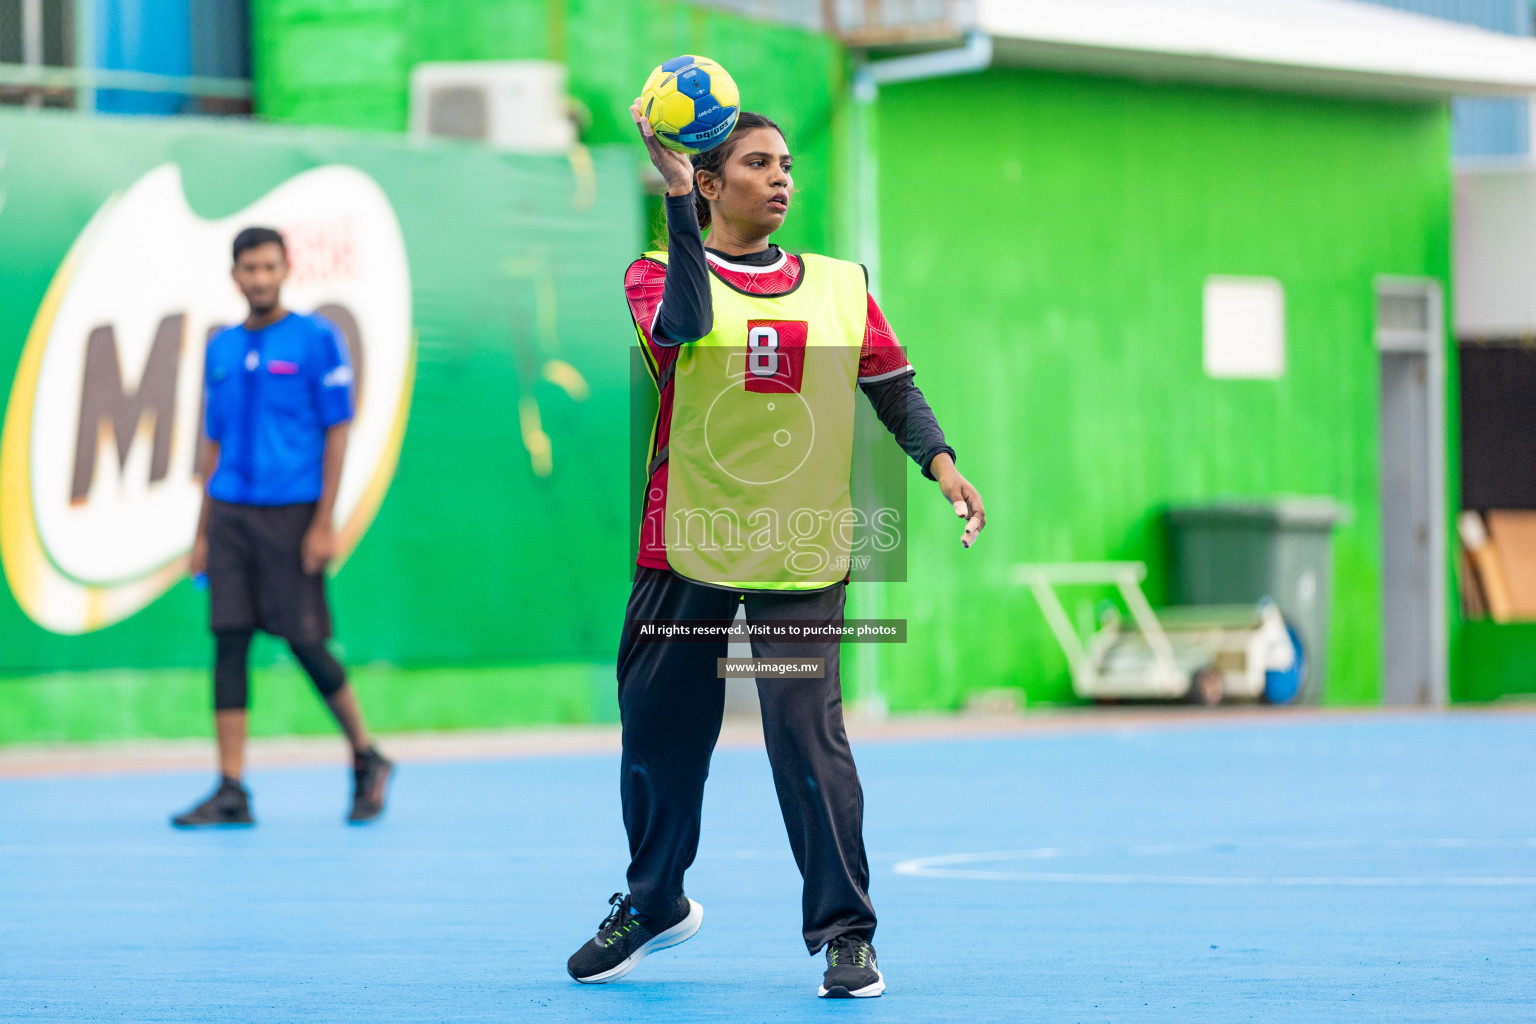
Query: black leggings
[[671, 700], [232, 678]]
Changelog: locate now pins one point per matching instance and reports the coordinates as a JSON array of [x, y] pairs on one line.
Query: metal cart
[[1205, 654]]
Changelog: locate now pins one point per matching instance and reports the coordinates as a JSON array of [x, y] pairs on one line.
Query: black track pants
[[671, 702]]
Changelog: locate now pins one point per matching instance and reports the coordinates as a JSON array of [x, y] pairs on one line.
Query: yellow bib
[[761, 439]]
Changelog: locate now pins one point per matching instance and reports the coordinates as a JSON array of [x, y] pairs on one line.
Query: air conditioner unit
[[516, 105]]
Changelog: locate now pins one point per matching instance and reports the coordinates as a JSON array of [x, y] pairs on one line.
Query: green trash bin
[[1241, 552]]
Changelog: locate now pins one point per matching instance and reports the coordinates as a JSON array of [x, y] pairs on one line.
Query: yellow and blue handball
[[691, 102]]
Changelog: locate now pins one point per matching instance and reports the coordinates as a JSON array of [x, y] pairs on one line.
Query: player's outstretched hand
[[965, 499], [676, 169]]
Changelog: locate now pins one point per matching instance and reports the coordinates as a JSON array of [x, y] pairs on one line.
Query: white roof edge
[[1327, 45]]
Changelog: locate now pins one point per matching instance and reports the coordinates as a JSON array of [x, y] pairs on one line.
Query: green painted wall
[[347, 63], [170, 703], [1498, 661], [1044, 239]]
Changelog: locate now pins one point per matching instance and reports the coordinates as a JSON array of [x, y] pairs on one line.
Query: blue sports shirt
[[271, 395]]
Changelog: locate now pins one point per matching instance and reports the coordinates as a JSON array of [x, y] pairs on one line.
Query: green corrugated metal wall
[[347, 63], [1045, 240]]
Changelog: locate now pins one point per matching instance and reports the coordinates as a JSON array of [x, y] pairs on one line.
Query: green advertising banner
[[483, 504]]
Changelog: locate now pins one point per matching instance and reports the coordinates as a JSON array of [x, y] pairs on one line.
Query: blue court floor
[[1345, 868]]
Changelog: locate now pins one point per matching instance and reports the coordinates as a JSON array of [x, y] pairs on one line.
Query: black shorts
[[256, 577]]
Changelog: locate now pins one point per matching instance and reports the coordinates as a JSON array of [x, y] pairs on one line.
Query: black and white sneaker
[[230, 804], [851, 970], [623, 940]]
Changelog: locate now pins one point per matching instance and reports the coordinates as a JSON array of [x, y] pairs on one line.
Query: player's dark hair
[[713, 160], [250, 238]]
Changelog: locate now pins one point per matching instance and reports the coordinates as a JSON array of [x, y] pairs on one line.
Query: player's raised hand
[[676, 169]]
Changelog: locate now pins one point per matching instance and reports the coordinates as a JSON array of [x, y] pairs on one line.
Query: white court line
[[953, 865], [235, 847], [193, 847], [1160, 849]]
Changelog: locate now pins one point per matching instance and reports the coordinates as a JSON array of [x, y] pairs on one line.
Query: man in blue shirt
[[279, 398]]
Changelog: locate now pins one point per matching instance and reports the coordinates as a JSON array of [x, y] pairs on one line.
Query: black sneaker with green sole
[[230, 805], [624, 939], [851, 970]]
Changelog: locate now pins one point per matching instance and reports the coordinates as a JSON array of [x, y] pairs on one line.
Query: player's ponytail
[[712, 161]]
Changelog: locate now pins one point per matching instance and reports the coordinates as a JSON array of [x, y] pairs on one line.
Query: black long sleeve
[[686, 313], [909, 418]]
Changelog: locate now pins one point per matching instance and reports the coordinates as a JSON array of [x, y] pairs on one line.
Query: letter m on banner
[[105, 403]]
